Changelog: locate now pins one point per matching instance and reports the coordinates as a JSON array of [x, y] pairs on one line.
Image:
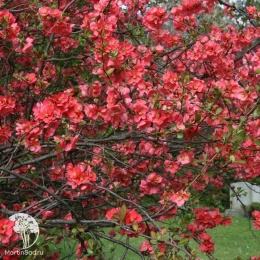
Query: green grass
[[238, 239]]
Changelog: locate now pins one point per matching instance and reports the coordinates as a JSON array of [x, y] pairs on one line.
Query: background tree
[[111, 123]]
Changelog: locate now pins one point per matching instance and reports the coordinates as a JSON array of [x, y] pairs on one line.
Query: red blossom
[[132, 217], [185, 157], [256, 216], [147, 248], [79, 175], [106, 109], [154, 18], [179, 198], [7, 235], [7, 105]]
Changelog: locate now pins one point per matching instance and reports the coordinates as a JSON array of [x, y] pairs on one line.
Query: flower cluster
[[10, 28], [127, 217], [80, 176], [7, 234]]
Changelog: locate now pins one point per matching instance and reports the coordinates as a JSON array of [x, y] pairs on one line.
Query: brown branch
[[61, 201]]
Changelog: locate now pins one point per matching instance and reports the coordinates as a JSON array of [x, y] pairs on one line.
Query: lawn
[[235, 240]]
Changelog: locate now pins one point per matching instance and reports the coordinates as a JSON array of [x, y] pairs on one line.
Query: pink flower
[[7, 235], [132, 217], [147, 247], [66, 143], [179, 198], [46, 214], [154, 18], [113, 214], [171, 166], [185, 157], [256, 215], [80, 174]]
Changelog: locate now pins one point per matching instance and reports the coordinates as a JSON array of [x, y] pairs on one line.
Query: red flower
[[256, 215], [154, 18], [66, 143], [13, 254], [152, 184], [171, 166], [185, 157], [179, 198], [7, 105], [5, 133], [46, 214], [7, 235], [132, 217], [113, 214], [80, 174], [207, 246], [147, 248], [80, 249], [30, 78]]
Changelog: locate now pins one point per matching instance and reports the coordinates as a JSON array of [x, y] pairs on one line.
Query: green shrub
[[254, 206]]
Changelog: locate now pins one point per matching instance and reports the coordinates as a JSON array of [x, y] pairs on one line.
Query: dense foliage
[[116, 116]]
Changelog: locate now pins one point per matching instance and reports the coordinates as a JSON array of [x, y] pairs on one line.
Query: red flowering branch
[[121, 114]]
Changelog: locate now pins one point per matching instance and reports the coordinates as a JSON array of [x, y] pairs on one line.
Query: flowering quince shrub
[[117, 115]]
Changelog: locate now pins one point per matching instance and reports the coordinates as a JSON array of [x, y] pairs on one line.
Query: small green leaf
[[232, 158], [123, 212], [90, 251], [91, 243], [197, 117], [180, 135], [228, 101], [135, 227], [81, 230], [110, 71], [240, 135], [183, 241], [256, 113], [219, 110]]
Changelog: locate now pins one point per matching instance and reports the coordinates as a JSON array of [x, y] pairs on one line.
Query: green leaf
[[89, 251], [240, 135], [123, 212], [153, 235], [135, 227], [217, 91], [74, 231], [91, 243], [256, 141], [183, 241], [256, 113], [80, 229], [228, 101], [193, 252], [110, 71], [180, 135], [197, 117], [219, 110], [232, 158]]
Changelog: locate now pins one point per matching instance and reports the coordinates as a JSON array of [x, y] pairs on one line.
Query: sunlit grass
[[236, 240]]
